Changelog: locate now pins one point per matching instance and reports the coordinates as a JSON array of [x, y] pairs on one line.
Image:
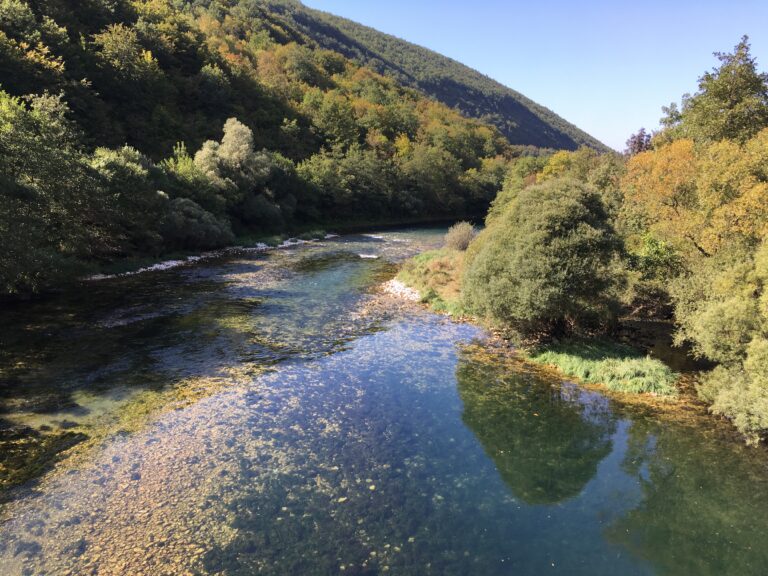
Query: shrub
[[436, 275], [721, 307], [740, 392], [190, 226], [544, 266], [459, 236]]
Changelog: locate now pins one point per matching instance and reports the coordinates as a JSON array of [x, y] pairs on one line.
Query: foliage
[[459, 236], [695, 220], [701, 198], [521, 172], [617, 366], [189, 226], [135, 207], [638, 142], [543, 267], [52, 210], [731, 104], [143, 91], [721, 309], [521, 120]]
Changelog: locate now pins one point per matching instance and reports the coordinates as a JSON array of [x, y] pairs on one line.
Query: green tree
[[188, 226], [721, 307], [543, 267], [53, 211], [732, 101], [136, 207]]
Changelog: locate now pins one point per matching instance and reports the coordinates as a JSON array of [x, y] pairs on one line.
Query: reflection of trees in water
[[546, 441], [704, 507]]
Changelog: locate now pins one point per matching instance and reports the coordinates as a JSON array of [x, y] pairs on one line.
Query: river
[[269, 413]]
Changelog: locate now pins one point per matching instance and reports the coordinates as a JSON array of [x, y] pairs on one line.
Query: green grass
[[617, 366]]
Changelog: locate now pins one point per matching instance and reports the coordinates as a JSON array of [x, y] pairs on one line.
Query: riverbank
[[248, 243], [615, 366], [260, 243]]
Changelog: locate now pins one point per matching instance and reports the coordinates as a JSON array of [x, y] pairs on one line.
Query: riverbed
[[274, 413]]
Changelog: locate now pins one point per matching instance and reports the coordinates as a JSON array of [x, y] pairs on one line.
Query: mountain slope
[[133, 128], [520, 119]]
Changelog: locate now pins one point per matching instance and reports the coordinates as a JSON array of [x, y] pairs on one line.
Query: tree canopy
[[731, 103], [543, 265]]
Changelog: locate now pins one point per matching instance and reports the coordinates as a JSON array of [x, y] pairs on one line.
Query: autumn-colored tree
[[661, 184]]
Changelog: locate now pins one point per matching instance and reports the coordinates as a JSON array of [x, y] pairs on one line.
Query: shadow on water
[[545, 440]]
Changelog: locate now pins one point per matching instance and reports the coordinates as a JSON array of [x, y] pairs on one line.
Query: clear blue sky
[[606, 66]]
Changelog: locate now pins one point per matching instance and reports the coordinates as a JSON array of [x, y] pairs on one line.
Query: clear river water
[[270, 413]]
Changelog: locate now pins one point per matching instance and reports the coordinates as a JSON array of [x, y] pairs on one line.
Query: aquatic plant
[[617, 366]]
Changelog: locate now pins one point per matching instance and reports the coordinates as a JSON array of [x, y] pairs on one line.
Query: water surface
[[268, 414]]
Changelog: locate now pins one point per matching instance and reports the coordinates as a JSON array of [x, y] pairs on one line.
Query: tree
[[542, 268], [53, 211], [732, 101], [129, 179], [188, 226], [638, 142], [120, 50], [233, 165], [701, 198], [721, 309]]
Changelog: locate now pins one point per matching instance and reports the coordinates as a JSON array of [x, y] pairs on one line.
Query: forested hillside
[[520, 119], [141, 127]]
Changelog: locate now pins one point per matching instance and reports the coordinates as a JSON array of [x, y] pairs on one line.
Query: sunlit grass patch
[[436, 274], [617, 366]]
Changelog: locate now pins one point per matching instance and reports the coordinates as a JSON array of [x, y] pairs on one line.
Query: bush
[[188, 226], [740, 392], [544, 266], [459, 236], [721, 308]]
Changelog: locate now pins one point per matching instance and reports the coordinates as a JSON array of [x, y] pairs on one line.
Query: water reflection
[[546, 440], [704, 507]]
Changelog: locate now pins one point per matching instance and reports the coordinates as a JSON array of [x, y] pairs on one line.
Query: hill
[[135, 128], [520, 119]]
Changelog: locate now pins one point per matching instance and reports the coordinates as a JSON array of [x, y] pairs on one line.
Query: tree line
[[675, 225], [137, 128]]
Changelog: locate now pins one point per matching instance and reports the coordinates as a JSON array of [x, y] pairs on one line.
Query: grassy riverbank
[[436, 275]]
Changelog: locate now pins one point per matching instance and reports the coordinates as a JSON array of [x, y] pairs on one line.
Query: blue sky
[[606, 66]]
